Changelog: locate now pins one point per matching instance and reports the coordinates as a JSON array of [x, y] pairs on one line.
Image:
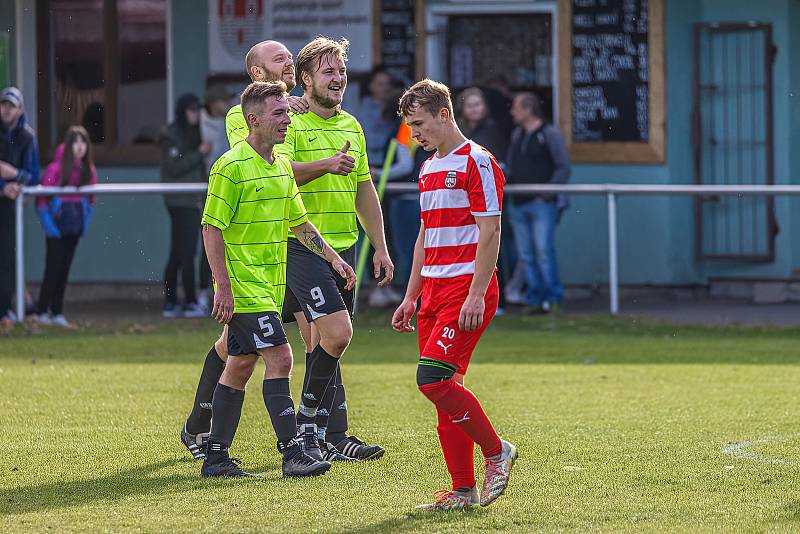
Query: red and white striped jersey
[[465, 184]]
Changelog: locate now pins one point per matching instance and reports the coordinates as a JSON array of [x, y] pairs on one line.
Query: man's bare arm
[[223, 296]]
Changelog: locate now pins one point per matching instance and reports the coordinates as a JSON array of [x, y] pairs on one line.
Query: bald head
[[270, 61]]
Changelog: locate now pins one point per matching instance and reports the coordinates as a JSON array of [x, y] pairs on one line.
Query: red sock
[[458, 449], [466, 412]]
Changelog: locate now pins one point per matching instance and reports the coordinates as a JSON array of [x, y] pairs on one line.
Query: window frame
[[108, 153]]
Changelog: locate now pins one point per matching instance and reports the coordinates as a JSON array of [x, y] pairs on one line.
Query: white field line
[[740, 450]]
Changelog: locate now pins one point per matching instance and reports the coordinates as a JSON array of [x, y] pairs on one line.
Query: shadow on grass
[[128, 483], [419, 521]]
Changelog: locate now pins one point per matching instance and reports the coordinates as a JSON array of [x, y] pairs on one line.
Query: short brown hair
[[531, 102], [310, 57], [256, 93], [428, 95]]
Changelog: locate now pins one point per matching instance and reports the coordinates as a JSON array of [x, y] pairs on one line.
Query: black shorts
[[248, 333], [312, 286]]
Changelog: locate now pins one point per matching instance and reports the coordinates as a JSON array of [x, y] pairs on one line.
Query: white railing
[[610, 190]]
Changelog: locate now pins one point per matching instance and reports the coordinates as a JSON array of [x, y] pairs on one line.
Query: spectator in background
[[475, 122], [19, 165], [212, 132], [64, 219], [183, 160], [538, 154], [377, 113], [498, 98]]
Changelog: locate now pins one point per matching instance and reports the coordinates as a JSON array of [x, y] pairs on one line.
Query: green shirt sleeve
[[287, 147], [362, 165], [297, 210], [224, 193], [235, 126]]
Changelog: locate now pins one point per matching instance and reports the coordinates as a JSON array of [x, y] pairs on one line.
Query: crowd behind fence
[[610, 190]]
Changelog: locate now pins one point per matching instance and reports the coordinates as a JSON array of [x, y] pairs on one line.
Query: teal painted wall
[[128, 240], [7, 21], [190, 47], [656, 235]]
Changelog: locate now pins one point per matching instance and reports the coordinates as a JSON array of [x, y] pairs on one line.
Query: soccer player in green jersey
[[321, 305], [252, 204], [270, 60], [266, 61]]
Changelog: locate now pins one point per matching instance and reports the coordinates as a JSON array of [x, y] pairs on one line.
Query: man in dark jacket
[[19, 165], [538, 154]]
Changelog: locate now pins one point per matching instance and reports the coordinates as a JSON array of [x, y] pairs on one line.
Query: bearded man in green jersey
[[270, 60], [252, 204]]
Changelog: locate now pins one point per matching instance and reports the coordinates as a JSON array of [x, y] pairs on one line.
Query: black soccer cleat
[[355, 448], [331, 454], [301, 464], [224, 467], [195, 443], [307, 437]]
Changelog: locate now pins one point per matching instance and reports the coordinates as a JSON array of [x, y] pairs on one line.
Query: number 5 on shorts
[[266, 326]]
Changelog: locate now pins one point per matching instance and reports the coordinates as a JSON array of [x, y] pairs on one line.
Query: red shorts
[[440, 337]]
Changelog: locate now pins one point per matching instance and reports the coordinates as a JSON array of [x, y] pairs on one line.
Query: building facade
[[151, 51]]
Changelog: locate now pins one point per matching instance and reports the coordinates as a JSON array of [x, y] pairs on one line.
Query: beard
[[320, 96], [285, 77], [289, 80]]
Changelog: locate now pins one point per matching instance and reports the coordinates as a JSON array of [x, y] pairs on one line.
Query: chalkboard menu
[[611, 83], [398, 38]]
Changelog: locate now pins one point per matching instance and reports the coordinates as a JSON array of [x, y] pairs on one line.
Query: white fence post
[[20, 242], [613, 280]]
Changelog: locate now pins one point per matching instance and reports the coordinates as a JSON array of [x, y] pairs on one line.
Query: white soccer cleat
[[497, 474], [450, 500]]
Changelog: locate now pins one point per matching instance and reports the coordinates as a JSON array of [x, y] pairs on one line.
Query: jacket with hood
[[62, 215], [181, 161], [18, 148]]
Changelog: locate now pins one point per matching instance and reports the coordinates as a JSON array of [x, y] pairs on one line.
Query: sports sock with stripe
[[464, 410], [279, 403], [200, 418], [459, 451], [337, 420], [326, 407], [322, 367], [226, 411]]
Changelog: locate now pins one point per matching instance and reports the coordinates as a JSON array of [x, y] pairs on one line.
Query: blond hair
[[312, 54], [256, 94], [428, 95]]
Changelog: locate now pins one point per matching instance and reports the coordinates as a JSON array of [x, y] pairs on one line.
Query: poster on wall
[[236, 25]]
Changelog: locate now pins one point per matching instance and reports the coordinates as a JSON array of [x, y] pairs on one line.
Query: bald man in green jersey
[[271, 60]]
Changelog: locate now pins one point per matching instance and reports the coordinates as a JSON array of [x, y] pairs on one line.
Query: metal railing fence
[[610, 190]]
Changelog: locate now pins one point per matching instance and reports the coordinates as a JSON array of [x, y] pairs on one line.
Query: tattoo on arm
[[313, 241]]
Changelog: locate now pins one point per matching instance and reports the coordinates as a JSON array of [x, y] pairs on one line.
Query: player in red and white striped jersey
[[461, 195]]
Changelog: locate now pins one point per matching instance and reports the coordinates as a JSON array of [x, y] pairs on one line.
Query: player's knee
[[281, 366], [336, 342], [240, 368], [433, 381]]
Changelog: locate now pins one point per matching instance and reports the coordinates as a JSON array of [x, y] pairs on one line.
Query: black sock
[[337, 424], [326, 406], [280, 406], [322, 368], [226, 410], [200, 418]]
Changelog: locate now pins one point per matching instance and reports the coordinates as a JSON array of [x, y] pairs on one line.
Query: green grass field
[[620, 426]]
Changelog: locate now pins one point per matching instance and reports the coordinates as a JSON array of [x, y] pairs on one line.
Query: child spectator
[[65, 219]]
